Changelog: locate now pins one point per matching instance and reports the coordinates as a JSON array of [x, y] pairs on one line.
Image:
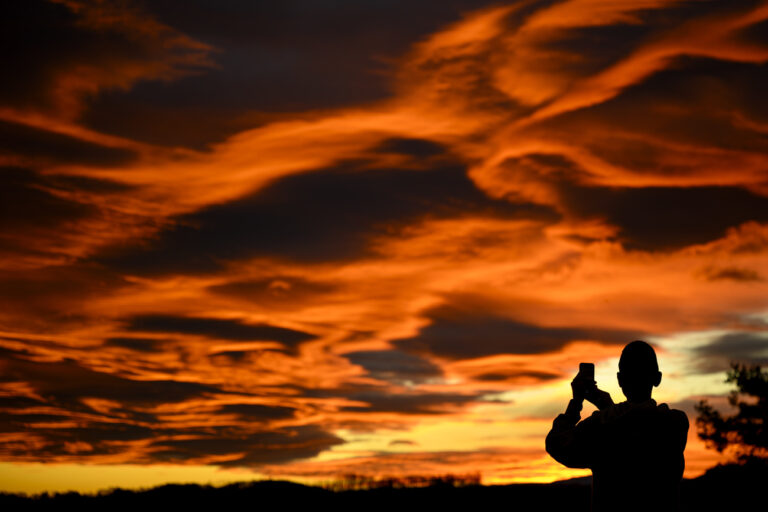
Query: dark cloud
[[65, 383], [25, 204], [137, 344], [592, 48], [44, 218], [497, 376], [416, 403], [12, 422], [648, 218], [111, 45], [756, 33], [742, 347], [157, 121], [680, 98], [463, 334], [229, 356], [587, 50], [402, 442], [669, 218], [394, 365], [288, 56], [83, 183], [254, 448], [676, 133], [327, 215], [97, 433], [265, 52], [738, 274], [297, 23], [62, 386], [39, 298], [216, 328], [39, 33], [88, 439], [257, 412], [419, 148], [18, 402], [281, 291], [42, 145]]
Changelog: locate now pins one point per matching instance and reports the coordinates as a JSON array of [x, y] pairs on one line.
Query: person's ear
[[657, 379]]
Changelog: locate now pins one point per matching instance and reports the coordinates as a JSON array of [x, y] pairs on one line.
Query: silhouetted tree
[[355, 482], [747, 429]]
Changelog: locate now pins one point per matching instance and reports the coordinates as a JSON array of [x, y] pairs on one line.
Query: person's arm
[[599, 398], [569, 442], [683, 425]]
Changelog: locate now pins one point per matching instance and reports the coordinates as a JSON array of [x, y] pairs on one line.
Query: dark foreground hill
[[724, 488]]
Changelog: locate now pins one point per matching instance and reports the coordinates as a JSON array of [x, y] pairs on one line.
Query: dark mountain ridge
[[724, 487]]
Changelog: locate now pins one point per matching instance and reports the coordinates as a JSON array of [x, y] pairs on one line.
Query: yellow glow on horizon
[[36, 478]]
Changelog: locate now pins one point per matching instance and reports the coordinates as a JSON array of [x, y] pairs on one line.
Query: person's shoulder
[[680, 416], [607, 414], [676, 415]]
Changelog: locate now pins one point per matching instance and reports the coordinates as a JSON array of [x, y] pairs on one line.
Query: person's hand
[[581, 387], [599, 398]]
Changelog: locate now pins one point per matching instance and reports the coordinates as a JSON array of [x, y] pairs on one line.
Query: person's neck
[[639, 396]]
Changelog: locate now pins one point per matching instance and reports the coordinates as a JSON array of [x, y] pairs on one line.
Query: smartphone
[[587, 370]]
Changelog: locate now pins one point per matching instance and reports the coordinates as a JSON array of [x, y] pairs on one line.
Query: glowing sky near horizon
[[304, 239]]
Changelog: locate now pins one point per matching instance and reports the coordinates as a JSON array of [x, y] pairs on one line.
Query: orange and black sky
[[299, 239]]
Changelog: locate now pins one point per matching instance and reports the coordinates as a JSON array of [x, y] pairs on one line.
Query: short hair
[[638, 358]]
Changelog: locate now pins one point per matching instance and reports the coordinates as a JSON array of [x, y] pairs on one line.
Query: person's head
[[638, 371]]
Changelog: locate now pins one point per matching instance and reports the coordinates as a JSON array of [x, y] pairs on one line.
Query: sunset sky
[[297, 239]]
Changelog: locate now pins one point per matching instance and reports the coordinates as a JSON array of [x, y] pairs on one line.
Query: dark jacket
[[635, 452]]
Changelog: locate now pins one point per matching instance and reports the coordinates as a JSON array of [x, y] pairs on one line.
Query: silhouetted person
[[634, 448]]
